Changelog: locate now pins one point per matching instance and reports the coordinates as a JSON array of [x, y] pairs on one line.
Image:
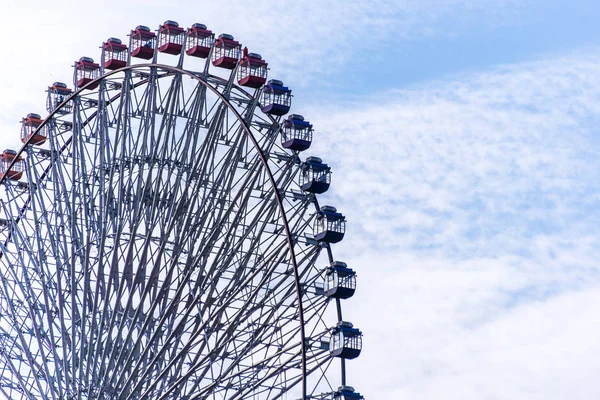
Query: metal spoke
[[158, 246]]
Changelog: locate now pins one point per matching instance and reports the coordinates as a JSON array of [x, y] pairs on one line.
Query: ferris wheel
[[161, 237]]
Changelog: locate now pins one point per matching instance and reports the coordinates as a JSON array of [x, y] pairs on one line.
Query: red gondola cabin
[[252, 71], [115, 54], [142, 42], [16, 172], [87, 71], [170, 38], [28, 130], [199, 41], [226, 52], [56, 96]]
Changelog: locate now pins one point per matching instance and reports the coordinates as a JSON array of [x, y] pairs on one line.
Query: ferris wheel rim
[[172, 70], [238, 101]]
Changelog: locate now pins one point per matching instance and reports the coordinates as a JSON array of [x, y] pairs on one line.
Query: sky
[[464, 143]]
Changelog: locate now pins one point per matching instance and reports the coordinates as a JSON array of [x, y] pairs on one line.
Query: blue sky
[[524, 31], [465, 146]]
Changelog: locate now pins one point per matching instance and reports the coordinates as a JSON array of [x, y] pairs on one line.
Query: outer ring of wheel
[[262, 156]]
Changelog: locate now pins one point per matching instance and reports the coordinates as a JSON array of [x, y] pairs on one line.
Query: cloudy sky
[[464, 141]]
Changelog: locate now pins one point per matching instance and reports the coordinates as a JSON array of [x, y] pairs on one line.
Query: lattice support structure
[[158, 247]]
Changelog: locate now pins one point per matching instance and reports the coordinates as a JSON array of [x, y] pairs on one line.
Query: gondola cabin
[[16, 172], [142, 42], [57, 94], [87, 71], [29, 125], [315, 177], [115, 54], [252, 71], [276, 98], [296, 133], [329, 225], [226, 52], [170, 38], [346, 341], [347, 393], [340, 281], [199, 41]]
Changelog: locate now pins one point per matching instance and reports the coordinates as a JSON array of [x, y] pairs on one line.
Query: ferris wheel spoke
[[226, 380], [267, 209], [103, 218], [28, 284], [300, 222], [246, 317], [323, 375], [290, 381], [20, 329], [201, 314], [119, 286], [160, 247], [138, 310], [23, 387], [319, 322], [6, 394], [203, 327], [52, 291], [84, 230], [111, 345], [34, 288], [155, 181], [224, 340]]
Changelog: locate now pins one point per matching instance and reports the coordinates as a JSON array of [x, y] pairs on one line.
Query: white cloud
[[303, 41], [509, 149], [472, 208], [472, 202]]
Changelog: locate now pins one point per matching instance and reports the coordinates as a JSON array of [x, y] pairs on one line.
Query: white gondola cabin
[[340, 281], [346, 341], [347, 393], [115, 54], [226, 52], [296, 133], [252, 71], [315, 177], [16, 172], [276, 98], [199, 41], [57, 94], [29, 126], [143, 42], [329, 225], [86, 72], [170, 38]]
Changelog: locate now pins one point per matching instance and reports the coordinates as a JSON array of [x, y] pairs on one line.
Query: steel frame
[[127, 271]]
